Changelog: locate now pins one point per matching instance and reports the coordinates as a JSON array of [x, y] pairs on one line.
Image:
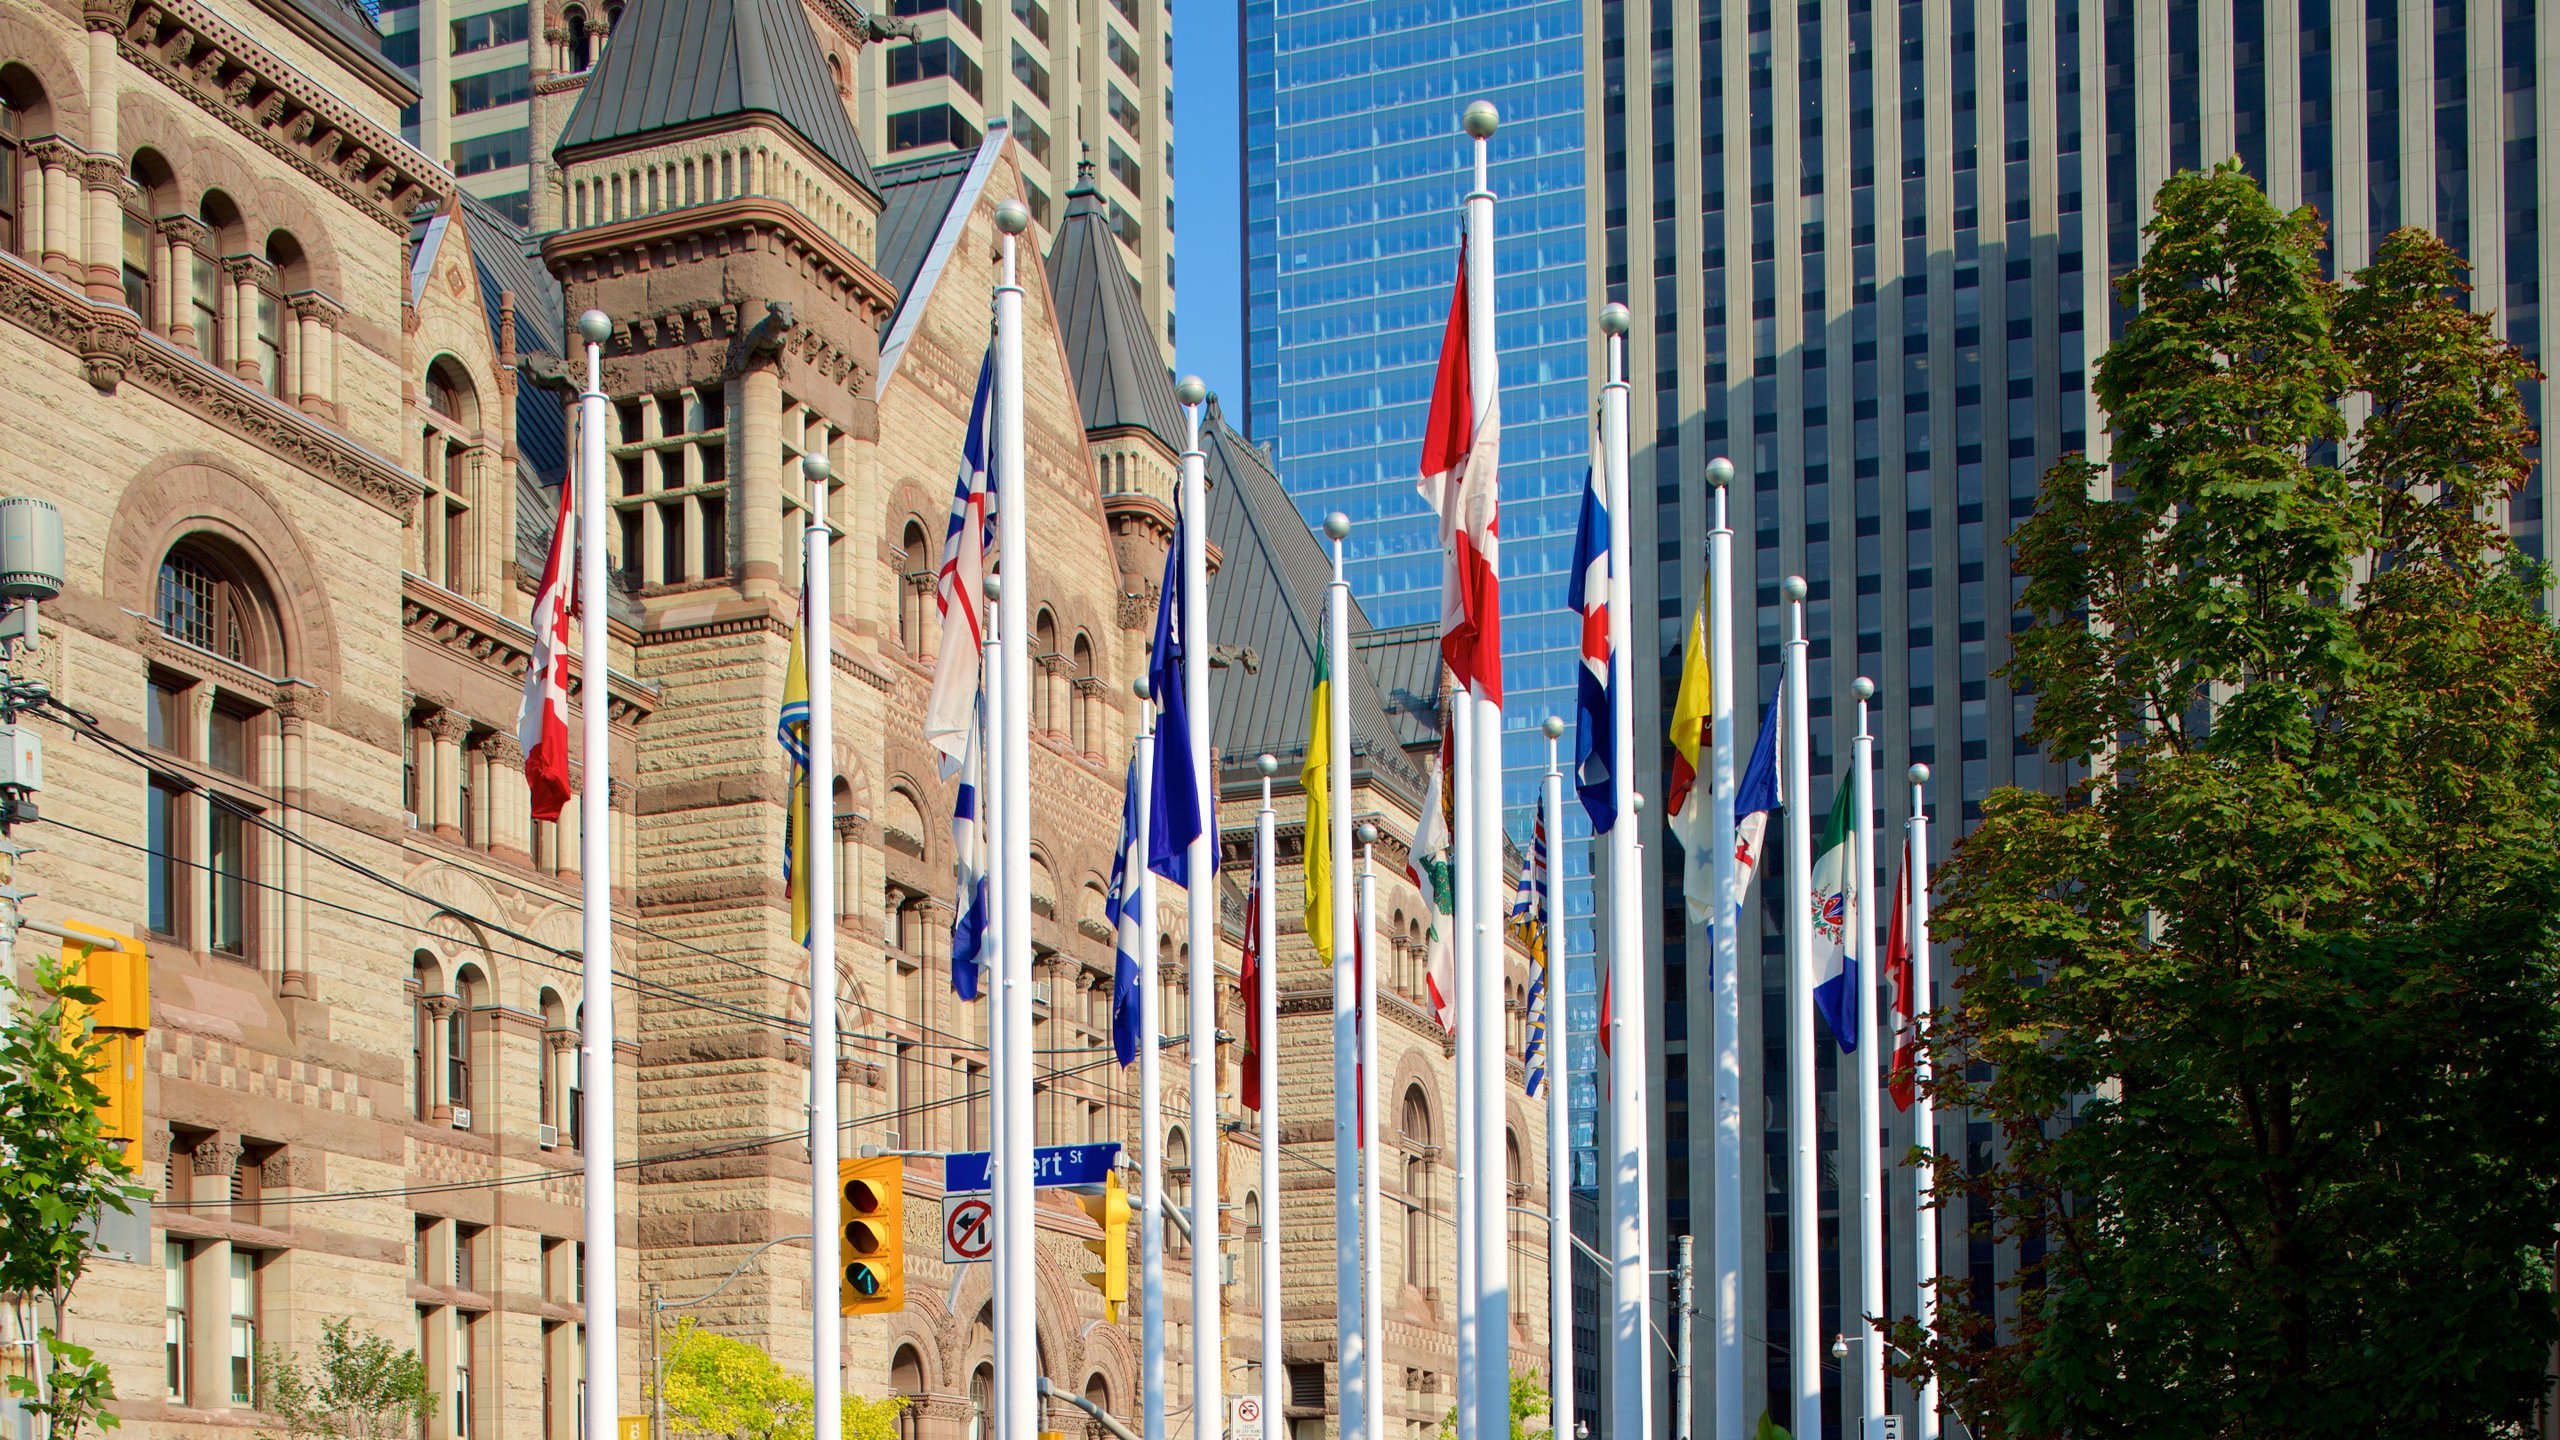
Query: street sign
[[1892, 1429], [966, 1172], [1244, 1417], [968, 1229]]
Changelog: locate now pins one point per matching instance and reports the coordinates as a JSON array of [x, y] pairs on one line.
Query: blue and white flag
[[1173, 819], [1529, 918], [1836, 932], [1120, 909], [1753, 798], [1595, 705], [960, 590], [969, 862]]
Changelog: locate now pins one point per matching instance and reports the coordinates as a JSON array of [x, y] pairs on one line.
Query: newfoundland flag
[[1120, 910], [1835, 917], [1595, 740], [1173, 818]]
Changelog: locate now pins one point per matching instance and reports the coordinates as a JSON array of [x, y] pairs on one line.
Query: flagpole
[[991, 751], [1462, 987], [1870, 1152], [1491, 1075], [1559, 1120], [1208, 1339], [1630, 1045], [1350, 1318], [1016, 1325], [1150, 1093], [595, 901], [1373, 1305], [1924, 1129], [1726, 1254], [826, 1198], [1266, 868], [1804, 1198]]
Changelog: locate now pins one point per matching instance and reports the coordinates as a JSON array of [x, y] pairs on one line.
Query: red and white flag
[[1461, 451], [1249, 982], [1897, 972], [542, 722]]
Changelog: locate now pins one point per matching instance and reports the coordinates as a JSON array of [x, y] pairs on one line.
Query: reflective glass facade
[[1355, 170]]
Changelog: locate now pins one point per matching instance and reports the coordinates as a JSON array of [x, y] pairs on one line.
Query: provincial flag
[[793, 732], [1121, 910], [1897, 973], [970, 911], [1461, 454], [1529, 919], [1315, 780], [1428, 862], [960, 588], [1249, 982], [1595, 702], [1835, 916], [542, 722], [1689, 813], [1173, 817]]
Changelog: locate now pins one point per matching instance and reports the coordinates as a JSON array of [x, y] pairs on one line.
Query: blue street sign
[[966, 1173]]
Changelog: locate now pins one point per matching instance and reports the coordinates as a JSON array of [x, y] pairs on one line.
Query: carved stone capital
[[618, 794], [55, 153], [106, 172], [289, 1169], [187, 230], [439, 1006], [155, 1146], [502, 749], [216, 1154], [446, 725], [312, 305], [247, 269], [560, 1042]]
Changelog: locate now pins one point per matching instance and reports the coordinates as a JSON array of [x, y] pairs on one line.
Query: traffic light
[[116, 967], [875, 1247], [1110, 1210]]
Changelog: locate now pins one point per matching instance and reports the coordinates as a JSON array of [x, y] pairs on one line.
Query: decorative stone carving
[[502, 749], [216, 1154], [447, 725]]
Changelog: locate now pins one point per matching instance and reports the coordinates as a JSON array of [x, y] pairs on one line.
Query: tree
[[2264, 1008], [1528, 1402], [717, 1385], [360, 1389], [59, 1171]]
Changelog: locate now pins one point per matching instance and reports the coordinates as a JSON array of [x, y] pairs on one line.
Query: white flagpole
[[1924, 1129], [1351, 1341], [1015, 1321], [595, 899], [1491, 1074], [1864, 953], [1267, 1060], [1804, 1198], [1559, 1120], [1373, 1230], [826, 1199], [1725, 1255], [1630, 1040], [991, 819], [1463, 841], [1208, 1298], [1150, 1093]]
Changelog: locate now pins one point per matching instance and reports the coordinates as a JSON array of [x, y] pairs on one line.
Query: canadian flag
[[1897, 972], [542, 724], [1461, 453]]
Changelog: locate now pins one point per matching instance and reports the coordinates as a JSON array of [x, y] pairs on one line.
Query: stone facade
[[290, 444]]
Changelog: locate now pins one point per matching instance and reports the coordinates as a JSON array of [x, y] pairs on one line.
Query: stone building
[[299, 403]]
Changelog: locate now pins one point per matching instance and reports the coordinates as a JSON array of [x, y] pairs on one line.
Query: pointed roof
[[679, 63], [1119, 371]]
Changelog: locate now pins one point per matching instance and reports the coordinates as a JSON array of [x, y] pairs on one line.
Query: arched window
[[1177, 1180], [582, 46], [1097, 1389], [1080, 705], [461, 1030], [422, 1034], [1415, 1132], [1249, 1263], [226, 235], [23, 116], [982, 1389], [1515, 1174], [915, 569], [906, 1377], [904, 827], [201, 818], [1047, 679], [449, 461], [154, 192], [287, 271], [555, 1016]]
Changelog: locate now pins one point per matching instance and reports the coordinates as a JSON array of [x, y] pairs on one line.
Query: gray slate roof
[[915, 196], [676, 63], [1111, 347], [1268, 597]]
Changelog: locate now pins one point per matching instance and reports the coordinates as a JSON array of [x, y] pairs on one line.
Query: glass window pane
[[228, 862], [166, 879]]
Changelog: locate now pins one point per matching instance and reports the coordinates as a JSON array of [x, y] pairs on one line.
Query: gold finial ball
[[1012, 218], [814, 467], [1337, 526], [1268, 764], [1863, 688], [1720, 472], [1919, 774], [1554, 727], [1191, 390], [595, 327], [1615, 319], [1482, 119], [1795, 587]]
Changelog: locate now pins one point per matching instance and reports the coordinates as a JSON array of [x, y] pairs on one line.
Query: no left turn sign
[[968, 1229]]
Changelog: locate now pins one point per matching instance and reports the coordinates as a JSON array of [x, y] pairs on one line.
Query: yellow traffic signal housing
[[874, 1253], [118, 969], [1110, 1210]]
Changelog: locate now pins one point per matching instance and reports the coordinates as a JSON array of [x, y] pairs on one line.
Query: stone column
[[315, 373], [510, 804], [560, 1055], [626, 835], [209, 1277], [293, 718], [435, 1105], [247, 275], [185, 237], [448, 729], [57, 160], [566, 846], [103, 172], [756, 424]]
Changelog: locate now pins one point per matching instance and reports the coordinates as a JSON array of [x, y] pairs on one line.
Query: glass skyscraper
[[1868, 244], [1355, 169]]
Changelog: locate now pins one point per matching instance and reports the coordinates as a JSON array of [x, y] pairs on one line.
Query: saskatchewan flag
[[1315, 778]]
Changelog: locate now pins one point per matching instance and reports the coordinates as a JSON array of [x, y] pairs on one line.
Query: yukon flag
[[969, 913], [1428, 863], [1689, 812], [793, 731], [1897, 973], [542, 723], [1595, 700], [1753, 798], [1835, 917], [960, 590], [1249, 983], [1461, 451], [1529, 920], [1120, 909]]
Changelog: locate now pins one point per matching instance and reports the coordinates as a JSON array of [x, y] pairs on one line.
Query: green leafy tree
[[356, 1388], [2266, 1004], [1528, 1402], [718, 1385], [59, 1171]]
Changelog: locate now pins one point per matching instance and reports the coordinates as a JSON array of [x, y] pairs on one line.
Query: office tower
[[474, 63], [1867, 244], [1355, 170], [1087, 88]]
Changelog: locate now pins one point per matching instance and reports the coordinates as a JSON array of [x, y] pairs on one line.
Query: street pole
[[1208, 1339], [1924, 1122], [1016, 1325], [595, 901], [1804, 1254], [1683, 1405]]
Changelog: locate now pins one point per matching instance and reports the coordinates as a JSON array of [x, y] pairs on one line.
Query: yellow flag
[[793, 732], [1689, 707], [1315, 777]]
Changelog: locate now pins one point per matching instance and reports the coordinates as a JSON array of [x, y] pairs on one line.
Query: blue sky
[[1208, 121]]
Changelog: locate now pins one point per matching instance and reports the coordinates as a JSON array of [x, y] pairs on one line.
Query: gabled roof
[[1268, 598], [1111, 346], [679, 63], [925, 210]]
